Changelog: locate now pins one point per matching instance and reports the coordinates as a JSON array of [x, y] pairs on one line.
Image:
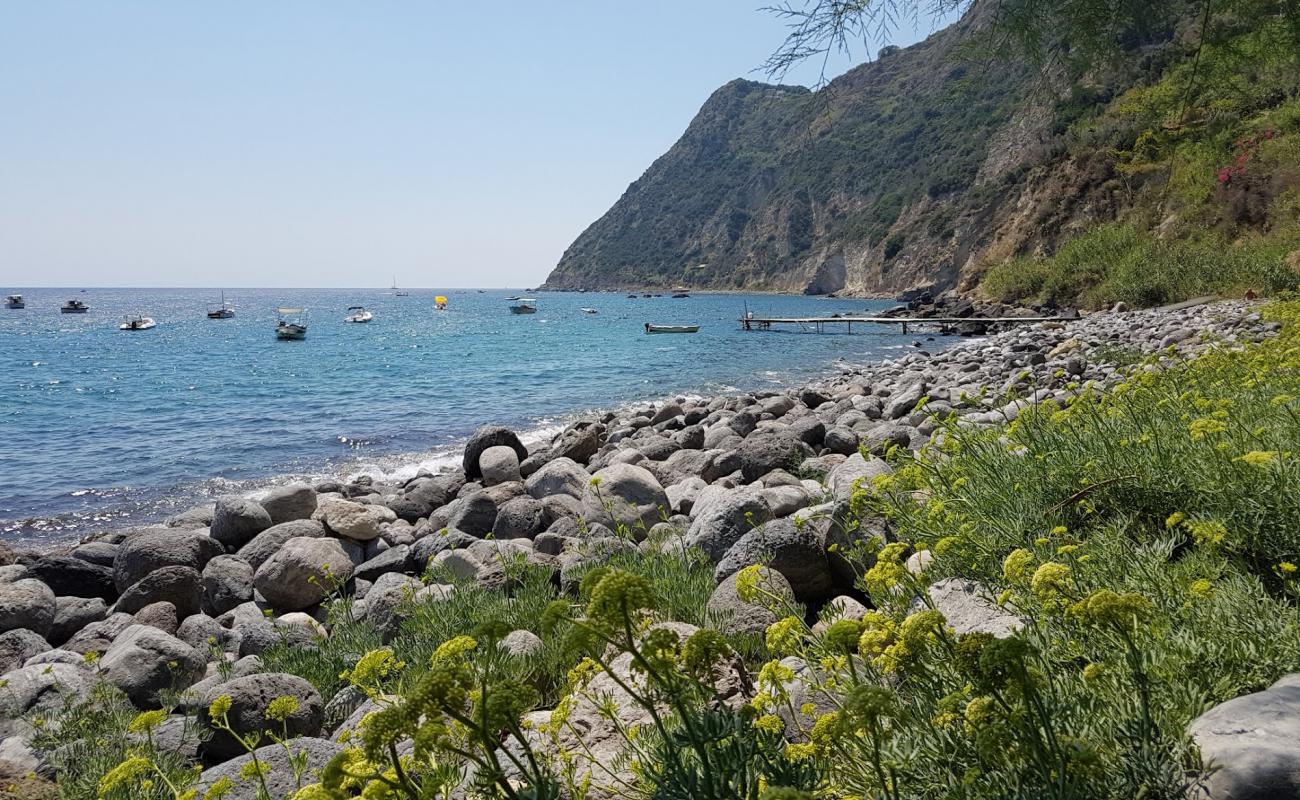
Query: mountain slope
[[925, 168], [777, 187]]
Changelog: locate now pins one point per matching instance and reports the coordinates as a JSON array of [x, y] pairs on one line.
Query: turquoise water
[[103, 427]]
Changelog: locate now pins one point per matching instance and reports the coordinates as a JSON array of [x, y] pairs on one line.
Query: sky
[[332, 143]]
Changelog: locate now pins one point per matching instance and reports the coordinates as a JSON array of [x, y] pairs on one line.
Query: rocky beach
[[175, 616]]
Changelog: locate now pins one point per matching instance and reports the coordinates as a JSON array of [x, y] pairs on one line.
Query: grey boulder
[[303, 573], [144, 661], [764, 451], [290, 502], [624, 495], [27, 603], [736, 616], [250, 696], [236, 520], [227, 581], [1251, 745], [149, 550], [723, 516], [180, 586], [278, 766], [798, 552], [482, 439]]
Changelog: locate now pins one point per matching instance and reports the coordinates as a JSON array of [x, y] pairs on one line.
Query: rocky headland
[[189, 607]]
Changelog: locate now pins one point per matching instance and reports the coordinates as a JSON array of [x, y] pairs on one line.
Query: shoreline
[[393, 471]]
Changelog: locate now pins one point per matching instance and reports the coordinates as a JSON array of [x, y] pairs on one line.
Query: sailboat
[[224, 311], [398, 292]]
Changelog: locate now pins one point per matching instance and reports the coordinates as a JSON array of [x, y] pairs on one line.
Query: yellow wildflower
[[1257, 458], [1049, 580]]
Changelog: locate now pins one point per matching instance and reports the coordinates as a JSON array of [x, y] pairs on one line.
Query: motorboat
[[223, 311], [291, 323], [586, 310], [137, 322], [15, 301], [440, 303], [680, 295], [74, 307], [526, 305], [671, 328], [359, 314]]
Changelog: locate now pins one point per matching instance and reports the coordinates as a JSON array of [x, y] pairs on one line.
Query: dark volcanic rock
[[482, 439]]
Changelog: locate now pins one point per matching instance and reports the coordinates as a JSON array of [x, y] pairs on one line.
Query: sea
[[104, 428]]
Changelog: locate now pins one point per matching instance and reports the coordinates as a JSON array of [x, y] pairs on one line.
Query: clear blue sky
[[331, 143]]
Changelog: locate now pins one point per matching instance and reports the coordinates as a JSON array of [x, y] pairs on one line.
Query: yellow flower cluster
[[1050, 580]]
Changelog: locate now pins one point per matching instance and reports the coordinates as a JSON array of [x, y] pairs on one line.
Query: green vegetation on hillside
[[1118, 262], [1206, 161]]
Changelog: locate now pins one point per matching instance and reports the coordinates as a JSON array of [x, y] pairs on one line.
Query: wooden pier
[[751, 323]]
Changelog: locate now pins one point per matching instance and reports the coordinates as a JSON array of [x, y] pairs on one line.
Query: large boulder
[[386, 602], [41, 687], [269, 541], [180, 586], [735, 616], [149, 550], [236, 520], [520, 518], [227, 581], [144, 661], [624, 495], [250, 696], [845, 475], [26, 603], [969, 607], [18, 645], [424, 495], [764, 451], [290, 502], [579, 443], [499, 464], [595, 740], [482, 439], [72, 614], [723, 516], [797, 551], [303, 573], [355, 521], [474, 514], [278, 763], [98, 636], [558, 476], [1251, 745], [70, 576], [904, 400]]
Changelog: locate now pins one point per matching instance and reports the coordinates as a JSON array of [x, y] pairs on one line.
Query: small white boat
[[586, 310], [671, 328], [358, 314], [137, 322], [74, 307], [15, 301], [526, 305], [398, 292], [291, 323], [223, 311]]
